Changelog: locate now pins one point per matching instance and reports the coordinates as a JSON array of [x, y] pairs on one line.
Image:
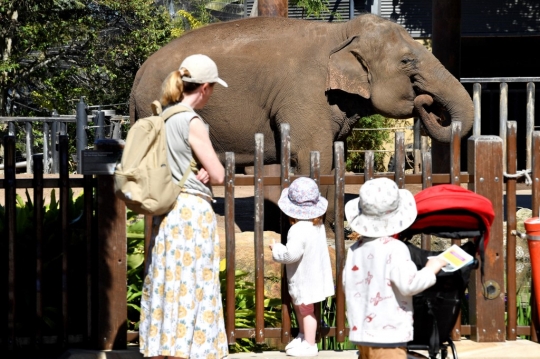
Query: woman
[[181, 309]]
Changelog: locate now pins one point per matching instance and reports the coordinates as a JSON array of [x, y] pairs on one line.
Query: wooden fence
[[92, 280]]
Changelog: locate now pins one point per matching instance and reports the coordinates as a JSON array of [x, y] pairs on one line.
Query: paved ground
[[466, 349]]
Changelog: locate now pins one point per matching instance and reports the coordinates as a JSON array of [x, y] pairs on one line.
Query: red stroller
[[446, 211]]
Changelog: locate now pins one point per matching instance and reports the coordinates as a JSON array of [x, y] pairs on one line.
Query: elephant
[[318, 77]]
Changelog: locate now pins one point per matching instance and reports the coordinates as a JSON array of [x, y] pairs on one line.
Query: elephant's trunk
[[434, 112]]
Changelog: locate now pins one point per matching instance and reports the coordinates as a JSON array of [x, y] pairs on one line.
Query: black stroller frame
[[437, 308]]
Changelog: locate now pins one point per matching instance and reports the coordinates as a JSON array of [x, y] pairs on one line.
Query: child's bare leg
[[299, 319], [309, 322]]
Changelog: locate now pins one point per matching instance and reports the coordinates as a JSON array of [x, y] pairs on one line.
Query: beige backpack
[[143, 177]]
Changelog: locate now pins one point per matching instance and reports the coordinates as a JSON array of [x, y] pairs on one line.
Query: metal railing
[[106, 124]]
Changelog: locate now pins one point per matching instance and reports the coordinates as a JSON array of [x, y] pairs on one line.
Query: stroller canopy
[[450, 211]]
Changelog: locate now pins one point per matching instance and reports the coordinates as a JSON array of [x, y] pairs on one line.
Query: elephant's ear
[[346, 72]]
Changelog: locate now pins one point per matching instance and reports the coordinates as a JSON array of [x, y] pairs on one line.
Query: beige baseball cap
[[202, 70]]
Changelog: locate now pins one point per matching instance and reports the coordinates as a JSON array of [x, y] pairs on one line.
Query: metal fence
[[89, 122]]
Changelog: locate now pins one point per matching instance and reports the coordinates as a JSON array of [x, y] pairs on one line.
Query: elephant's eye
[[406, 61]]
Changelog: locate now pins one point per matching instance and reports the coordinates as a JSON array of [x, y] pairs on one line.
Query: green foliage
[[314, 8], [62, 50], [135, 267], [328, 319], [245, 308], [524, 309], [368, 140]]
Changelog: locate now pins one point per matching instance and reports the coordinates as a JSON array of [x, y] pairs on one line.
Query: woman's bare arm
[[201, 145]]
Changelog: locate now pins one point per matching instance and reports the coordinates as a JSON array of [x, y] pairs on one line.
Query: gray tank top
[[179, 150]]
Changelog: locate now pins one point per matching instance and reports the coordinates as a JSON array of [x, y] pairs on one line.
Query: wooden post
[[339, 205], [285, 136], [274, 8], [259, 238], [487, 305], [11, 229], [64, 230], [399, 156], [230, 248], [112, 268], [455, 170], [511, 208]]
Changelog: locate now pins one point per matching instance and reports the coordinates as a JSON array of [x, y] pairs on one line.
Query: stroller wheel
[[444, 353]]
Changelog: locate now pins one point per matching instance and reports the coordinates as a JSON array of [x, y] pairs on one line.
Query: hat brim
[[373, 226], [301, 212], [221, 82]]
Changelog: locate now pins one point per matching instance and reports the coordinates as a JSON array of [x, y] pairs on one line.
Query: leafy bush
[[135, 267], [245, 308], [368, 140]]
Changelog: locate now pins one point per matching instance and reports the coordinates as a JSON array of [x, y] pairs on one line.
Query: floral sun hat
[[382, 209], [302, 200]]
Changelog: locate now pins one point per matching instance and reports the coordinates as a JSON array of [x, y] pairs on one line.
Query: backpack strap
[[157, 110]]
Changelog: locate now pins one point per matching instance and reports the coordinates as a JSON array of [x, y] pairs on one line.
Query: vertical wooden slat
[[417, 145], [487, 305], [46, 146], [455, 155], [511, 207], [339, 182], [535, 166], [90, 259], [530, 120], [315, 174], [29, 145], [455, 170], [147, 239], [503, 118], [285, 225], [10, 215], [427, 181], [259, 239], [315, 166], [38, 234], [477, 102], [369, 161], [64, 230], [399, 175], [230, 247]]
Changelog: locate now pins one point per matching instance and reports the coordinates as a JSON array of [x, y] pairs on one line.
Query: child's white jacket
[[309, 272], [380, 280]]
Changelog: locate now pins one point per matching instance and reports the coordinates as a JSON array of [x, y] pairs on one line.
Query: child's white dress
[[307, 260], [380, 280]]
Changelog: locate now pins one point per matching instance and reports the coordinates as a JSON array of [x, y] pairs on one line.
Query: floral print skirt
[[181, 309]]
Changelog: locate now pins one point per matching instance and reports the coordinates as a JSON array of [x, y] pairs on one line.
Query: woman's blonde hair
[[319, 221], [173, 88]]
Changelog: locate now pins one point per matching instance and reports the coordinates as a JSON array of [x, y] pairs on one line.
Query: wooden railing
[[104, 273]]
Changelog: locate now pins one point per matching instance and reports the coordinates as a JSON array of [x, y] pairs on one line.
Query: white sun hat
[[382, 209], [302, 200], [202, 69]]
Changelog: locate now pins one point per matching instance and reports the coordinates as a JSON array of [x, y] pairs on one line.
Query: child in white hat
[[306, 257], [379, 277]]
